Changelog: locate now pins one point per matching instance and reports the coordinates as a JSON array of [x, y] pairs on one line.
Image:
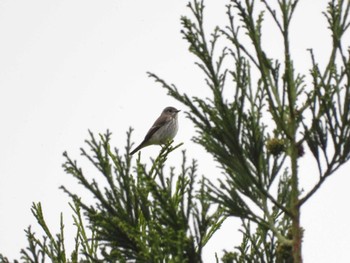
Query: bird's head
[[170, 111]]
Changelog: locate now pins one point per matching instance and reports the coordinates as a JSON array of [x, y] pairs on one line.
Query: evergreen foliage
[[257, 137]]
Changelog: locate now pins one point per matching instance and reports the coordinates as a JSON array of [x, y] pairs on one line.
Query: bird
[[163, 130]]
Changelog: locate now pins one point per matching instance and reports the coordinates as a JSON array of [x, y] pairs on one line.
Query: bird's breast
[[165, 133]]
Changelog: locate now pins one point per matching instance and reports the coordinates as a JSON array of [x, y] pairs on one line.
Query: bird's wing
[[155, 127]]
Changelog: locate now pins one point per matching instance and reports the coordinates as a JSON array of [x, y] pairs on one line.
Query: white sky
[[72, 65]]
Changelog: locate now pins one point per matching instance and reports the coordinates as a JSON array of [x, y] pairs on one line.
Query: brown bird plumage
[[163, 129]]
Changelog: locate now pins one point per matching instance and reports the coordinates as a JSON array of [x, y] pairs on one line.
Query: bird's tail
[[137, 148]]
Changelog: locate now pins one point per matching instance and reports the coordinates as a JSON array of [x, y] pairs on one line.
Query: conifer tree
[[157, 213], [258, 136]]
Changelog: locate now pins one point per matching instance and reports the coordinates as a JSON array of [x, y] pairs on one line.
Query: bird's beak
[[178, 111]]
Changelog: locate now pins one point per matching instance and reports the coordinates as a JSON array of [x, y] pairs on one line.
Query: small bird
[[163, 130]]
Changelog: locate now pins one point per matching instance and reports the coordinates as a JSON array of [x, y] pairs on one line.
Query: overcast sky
[[72, 65]]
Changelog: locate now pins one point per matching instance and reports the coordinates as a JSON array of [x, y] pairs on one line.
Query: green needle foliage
[[258, 135], [141, 214], [147, 216]]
